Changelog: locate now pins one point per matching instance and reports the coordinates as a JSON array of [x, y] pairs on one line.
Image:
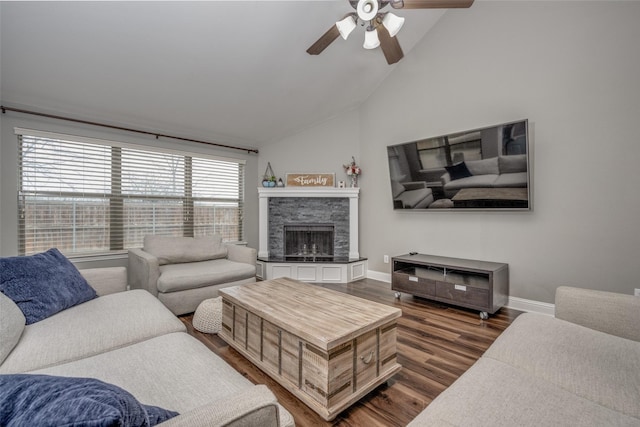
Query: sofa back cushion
[[43, 284], [175, 250], [12, 323], [483, 167], [458, 171], [513, 164]]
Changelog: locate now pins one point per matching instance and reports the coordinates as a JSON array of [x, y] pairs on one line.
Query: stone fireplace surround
[[339, 206]]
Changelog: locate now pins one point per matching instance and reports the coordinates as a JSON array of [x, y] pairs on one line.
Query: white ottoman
[[208, 316]]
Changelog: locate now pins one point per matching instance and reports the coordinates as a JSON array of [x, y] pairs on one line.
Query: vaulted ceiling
[[227, 71]]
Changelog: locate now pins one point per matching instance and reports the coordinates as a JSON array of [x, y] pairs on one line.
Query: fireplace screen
[[308, 240]]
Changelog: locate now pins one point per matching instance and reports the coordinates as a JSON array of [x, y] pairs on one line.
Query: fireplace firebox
[[304, 241]]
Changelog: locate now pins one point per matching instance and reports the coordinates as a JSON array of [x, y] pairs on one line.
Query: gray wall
[[324, 148], [572, 69], [8, 183]]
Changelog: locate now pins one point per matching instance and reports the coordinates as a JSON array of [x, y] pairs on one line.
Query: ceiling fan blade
[[431, 4], [325, 40], [390, 46]]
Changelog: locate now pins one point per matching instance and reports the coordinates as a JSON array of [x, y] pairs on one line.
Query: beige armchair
[[184, 271], [411, 195]]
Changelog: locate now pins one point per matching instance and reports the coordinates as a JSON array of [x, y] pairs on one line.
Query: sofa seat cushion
[[493, 393], [419, 198], [91, 328], [157, 372], [593, 365], [44, 400], [518, 179], [476, 181], [179, 277]]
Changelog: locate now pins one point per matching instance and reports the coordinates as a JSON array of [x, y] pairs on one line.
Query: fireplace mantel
[[264, 194], [308, 192]]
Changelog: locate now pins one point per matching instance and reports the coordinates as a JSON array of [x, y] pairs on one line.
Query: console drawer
[[462, 294], [413, 284]]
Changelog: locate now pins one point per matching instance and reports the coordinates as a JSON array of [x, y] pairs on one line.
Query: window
[[446, 151], [88, 196]]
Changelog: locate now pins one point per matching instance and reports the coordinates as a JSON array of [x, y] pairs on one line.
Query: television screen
[[484, 168]]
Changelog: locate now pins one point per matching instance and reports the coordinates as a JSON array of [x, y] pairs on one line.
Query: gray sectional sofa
[[494, 172], [184, 271], [581, 368], [131, 340]]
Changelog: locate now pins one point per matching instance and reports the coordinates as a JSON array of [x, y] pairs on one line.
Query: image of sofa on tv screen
[[494, 172]]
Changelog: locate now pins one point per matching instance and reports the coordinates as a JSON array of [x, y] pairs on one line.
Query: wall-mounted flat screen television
[[478, 169]]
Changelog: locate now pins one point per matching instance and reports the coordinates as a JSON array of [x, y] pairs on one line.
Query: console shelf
[[479, 285]]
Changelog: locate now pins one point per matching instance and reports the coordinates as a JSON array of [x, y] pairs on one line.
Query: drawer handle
[[413, 279], [367, 359], [460, 288]]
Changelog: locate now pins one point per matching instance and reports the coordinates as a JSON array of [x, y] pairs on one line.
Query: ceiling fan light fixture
[[346, 26], [392, 23], [371, 40], [367, 9]]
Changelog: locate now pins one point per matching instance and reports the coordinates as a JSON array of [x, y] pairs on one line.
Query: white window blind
[[92, 196]]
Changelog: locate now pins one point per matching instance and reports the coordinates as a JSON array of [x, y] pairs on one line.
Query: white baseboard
[[378, 275], [531, 306], [515, 303]]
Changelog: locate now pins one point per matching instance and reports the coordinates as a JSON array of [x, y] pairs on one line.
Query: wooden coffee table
[[327, 348], [491, 198]]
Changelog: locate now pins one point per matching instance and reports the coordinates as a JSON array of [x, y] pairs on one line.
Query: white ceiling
[[234, 72]]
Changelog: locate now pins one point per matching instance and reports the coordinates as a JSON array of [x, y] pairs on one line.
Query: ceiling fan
[[382, 26]]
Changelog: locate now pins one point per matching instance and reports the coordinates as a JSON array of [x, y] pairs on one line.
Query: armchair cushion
[[174, 250], [415, 199], [178, 277], [43, 284]]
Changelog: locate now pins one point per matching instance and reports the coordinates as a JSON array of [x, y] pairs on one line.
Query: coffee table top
[[322, 317], [501, 193]]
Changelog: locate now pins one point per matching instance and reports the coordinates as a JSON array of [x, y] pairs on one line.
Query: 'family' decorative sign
[[310, 180]]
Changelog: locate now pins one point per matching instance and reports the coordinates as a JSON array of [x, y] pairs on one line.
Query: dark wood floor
[[436, 344]]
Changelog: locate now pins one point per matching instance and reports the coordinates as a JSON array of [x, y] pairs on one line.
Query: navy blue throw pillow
[[458, 171], [43, 284], [43, 400]]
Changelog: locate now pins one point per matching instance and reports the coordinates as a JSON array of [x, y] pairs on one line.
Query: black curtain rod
[[157, 135]]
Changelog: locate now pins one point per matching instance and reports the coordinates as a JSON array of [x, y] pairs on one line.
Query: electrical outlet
[[386, 261], [636, 292]]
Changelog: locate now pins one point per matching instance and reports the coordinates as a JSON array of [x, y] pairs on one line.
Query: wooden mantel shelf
[[266, 192]]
